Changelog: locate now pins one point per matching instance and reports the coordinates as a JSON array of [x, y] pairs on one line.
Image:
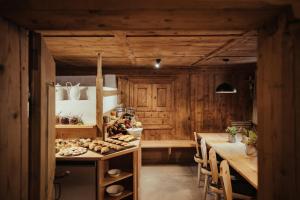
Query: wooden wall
[[196, 105], [13, 112], [42, 120], [212, 112], [279, 110]]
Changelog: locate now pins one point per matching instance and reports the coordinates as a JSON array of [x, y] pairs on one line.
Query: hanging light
[[157, 63], [226, 88]]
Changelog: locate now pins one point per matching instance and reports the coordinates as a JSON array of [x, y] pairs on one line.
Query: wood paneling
[[14, 114], [212, 111], [196, 106], [42, 120], [136, 15], [140, 48], [278, 110]]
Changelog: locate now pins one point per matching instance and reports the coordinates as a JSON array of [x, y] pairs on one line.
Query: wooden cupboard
[[153, 102]]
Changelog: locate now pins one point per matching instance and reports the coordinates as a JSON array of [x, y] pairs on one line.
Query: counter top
[[91, 155]]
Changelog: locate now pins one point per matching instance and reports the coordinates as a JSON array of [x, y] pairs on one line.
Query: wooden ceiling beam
[[228, 45], [121, 39], [192, 19]]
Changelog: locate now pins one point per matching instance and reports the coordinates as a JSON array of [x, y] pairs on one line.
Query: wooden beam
[[139, 19], [294, 3], [228, 45], [99, 96], [278, 111], [121, 39]]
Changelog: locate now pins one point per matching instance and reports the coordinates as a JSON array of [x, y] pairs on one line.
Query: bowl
[[115, 190], [136, 132], [114, 172]]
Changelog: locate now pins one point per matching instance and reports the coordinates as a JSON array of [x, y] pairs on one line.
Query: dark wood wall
[[278, 110], [196, 105], [13, 112], [212, 112]]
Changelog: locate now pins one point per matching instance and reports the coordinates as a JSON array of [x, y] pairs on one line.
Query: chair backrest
[[197, 144], [226, 180], [213, 166], [203, 152]]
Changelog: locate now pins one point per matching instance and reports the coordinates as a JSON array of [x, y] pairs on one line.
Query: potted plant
[[245, 135], [232, 131], [251, 144]]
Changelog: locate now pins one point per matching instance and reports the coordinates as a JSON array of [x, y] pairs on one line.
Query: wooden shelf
[[126, 193], [74, 126], [109, 180], [167, 143]]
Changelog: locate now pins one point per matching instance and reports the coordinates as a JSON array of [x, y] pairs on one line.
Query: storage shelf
[[125, 194], [109, 180], [74, 126]]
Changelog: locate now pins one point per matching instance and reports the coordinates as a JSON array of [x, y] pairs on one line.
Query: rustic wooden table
[[235, 154]]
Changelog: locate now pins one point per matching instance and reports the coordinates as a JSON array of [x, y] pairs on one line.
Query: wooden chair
[[214, 185], [202, 163], [226, 183]]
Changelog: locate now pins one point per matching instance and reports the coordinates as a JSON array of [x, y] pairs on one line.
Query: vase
[[231, 138], [251, 150]]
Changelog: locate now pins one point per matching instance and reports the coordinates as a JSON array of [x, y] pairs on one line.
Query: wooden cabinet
[[153, 102], [142, 97], [162, 97]]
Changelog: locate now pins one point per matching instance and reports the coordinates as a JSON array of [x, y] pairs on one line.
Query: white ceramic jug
[[74, 91], [59, 92]]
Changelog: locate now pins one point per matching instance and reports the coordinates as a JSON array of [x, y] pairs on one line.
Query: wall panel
[[13, 112]]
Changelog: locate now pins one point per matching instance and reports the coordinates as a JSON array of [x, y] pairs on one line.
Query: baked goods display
[[72, 151], [122, 137], [75, 147]]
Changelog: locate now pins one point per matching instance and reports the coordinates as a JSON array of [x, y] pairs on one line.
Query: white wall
[[86, 106]]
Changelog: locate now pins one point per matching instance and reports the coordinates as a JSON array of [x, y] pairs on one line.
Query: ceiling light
[[157, 63]]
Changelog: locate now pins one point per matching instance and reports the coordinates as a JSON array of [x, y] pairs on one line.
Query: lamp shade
[[226, 88]]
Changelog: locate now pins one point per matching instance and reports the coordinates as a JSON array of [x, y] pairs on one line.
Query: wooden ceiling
[[141, 48], [134, 33]]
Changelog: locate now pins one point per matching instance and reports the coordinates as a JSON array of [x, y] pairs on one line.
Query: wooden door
[[41, 120], [142, 97], [161, 97]]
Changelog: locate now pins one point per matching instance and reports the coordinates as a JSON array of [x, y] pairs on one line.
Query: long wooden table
[[235, 154]]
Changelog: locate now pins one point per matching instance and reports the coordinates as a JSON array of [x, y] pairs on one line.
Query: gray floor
[[170, 182]]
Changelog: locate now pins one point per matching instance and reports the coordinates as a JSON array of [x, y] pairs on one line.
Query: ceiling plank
[[227, 46]]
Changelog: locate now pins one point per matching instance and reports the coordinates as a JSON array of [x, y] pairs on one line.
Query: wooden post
[[278, 111], [99, 97]]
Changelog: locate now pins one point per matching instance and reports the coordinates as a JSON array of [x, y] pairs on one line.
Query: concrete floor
[[170, 182]]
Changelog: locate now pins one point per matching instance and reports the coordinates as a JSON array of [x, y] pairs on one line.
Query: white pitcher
[[59, 92], [74, 91]]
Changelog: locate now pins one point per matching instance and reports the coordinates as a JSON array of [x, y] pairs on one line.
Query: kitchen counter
[[128, 160], [91, 155]]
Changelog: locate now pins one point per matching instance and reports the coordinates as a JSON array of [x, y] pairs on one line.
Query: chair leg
[[199, 174], [205, 187], [217, 197]]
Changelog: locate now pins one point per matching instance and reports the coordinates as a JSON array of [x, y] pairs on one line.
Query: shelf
[[74, 126], [109, 180], [126, 193]]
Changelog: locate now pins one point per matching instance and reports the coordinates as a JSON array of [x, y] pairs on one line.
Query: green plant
[[232, 130], [252, 138]]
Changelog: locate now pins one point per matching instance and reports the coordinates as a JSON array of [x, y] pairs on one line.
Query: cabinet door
[[142, 100], [162, 97]]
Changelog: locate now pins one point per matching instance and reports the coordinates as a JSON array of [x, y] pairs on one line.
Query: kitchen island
[[128, 160]]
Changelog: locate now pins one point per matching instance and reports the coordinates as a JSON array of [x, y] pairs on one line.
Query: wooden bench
[[169, 144]]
